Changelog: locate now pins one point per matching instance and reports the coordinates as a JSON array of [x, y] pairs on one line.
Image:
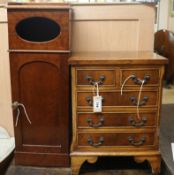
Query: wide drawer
[[151, 76], [129, 98], [115, 139], [101, 120], [105, 77]]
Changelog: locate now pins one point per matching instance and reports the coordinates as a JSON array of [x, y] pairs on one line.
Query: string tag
[[97, 101], [139, 98]]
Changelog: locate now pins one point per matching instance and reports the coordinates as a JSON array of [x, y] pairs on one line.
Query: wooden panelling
[[105, 35], [108, 28]]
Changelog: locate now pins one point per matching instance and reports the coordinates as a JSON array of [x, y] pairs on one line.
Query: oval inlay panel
[[38, 29]]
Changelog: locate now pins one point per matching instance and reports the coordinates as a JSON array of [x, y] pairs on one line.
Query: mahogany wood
[[61, 17], [37, 83], [40, 82]]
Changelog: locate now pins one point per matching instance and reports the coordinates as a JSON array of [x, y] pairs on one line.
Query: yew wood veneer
[[117, 130]]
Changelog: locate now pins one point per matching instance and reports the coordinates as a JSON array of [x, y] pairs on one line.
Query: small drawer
[[150, 76], [115, 139], [88, 77], [129, 98], [101, 120], [39, 29]]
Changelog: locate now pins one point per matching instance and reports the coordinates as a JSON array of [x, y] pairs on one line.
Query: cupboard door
[[40, 83]]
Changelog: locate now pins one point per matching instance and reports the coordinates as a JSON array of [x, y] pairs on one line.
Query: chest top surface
[[116, 58]]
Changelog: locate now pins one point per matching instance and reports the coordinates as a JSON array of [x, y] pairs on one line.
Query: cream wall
[[165, 20], [6, 119], [170, 19], [171, 24], [163, 15]]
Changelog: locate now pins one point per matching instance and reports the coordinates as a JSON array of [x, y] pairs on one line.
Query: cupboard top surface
[[110, 58]]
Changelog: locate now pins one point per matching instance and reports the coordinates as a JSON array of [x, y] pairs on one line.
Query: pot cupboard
[[39, 43]]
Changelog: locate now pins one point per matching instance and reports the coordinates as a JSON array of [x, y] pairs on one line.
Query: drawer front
[[115, 139], [150, 76], [129, 98], [97, 120], [27, 29], [88, 77]]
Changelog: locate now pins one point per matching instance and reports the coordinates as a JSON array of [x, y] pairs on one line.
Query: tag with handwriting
[[97, 103]]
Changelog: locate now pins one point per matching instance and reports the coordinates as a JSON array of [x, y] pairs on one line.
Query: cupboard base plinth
[[42, 159]]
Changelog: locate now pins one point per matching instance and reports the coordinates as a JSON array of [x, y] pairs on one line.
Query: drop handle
[[142, 103], [91, 142], [89, 100], [16, 106], [135, 143], [137, 124], [97, 125], [139, 81], [93, 82]]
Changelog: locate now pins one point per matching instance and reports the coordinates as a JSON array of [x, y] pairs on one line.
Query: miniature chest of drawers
[[129, 122]]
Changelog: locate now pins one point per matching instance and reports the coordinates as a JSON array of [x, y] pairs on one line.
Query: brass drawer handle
[[132, 141], [92, 82], [138, 81], [90, 101], [139, 123], [142, 103], [97, 125], [91, 142]]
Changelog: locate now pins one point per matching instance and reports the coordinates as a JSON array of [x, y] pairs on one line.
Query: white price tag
[[97, 103], [172, 144]]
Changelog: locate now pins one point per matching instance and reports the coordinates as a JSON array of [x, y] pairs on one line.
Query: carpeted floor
[[167, 136], [168, 95]]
